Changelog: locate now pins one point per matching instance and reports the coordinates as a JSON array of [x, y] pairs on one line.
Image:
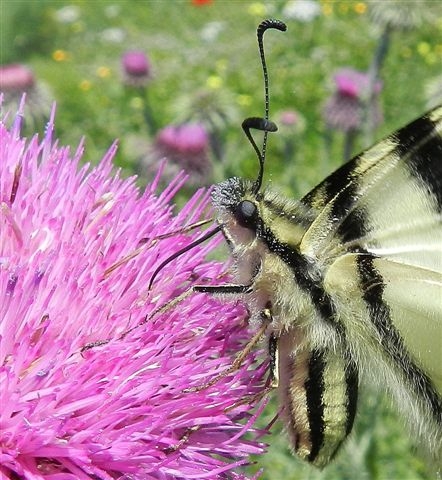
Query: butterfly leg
[[273, 364], [226, 288], [183, 440], [213, 289], [236, 364]]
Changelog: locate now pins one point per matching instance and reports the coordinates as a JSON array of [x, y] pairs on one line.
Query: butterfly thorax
[[264, 230]]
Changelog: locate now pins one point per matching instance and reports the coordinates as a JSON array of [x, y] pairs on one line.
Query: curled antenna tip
[[259, 123]]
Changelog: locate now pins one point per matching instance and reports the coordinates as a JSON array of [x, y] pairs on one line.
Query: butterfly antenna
[[180, 252], [263, 124]]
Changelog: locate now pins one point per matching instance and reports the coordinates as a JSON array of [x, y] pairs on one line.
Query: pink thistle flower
[[289, 118], [186, 139], [78, 248], [345, 109], [137, 69], [16, 79], [354, 83], [186, 146], [290, 121]]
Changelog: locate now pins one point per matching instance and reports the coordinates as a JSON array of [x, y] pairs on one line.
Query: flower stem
[[373, 76]]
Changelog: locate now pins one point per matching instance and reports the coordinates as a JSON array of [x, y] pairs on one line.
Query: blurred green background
[[204, 67]]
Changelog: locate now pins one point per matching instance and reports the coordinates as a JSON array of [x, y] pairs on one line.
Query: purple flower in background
[[137, 72], [78, 247], [187, 139], [345, 109], [353, 83], [136, 68], [290, 121], [16, 79], [288, 118], [213, 109], [186, 147]]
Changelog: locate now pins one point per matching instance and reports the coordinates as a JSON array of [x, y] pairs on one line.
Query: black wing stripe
[[314, 389], [372, 284], [426, 164], [320, 421], [332, 185], [301, 269], [351, 381], [410, 137], [353, 226]]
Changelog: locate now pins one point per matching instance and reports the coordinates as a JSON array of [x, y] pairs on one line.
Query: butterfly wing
[[377, 236], [408, 292], [388, 200]]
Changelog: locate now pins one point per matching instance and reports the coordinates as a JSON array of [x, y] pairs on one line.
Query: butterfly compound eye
[[246, 214]]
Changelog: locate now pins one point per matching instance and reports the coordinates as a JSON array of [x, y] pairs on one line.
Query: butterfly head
[[237, 209]]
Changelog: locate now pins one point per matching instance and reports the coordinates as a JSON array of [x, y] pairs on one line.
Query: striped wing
[[387, 201], [412, 296], [378, 238]]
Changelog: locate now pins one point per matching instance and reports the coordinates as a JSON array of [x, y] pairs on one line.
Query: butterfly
[[346, 283]]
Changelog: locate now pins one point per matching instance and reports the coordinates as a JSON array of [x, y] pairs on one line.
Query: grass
[[79, 62]]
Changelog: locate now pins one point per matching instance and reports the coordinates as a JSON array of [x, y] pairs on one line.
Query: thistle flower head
[[16, 79], [78, 248], [186, 147], [354, 83], [344, 110], [184, 139], [290, 121], [137, 69]]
